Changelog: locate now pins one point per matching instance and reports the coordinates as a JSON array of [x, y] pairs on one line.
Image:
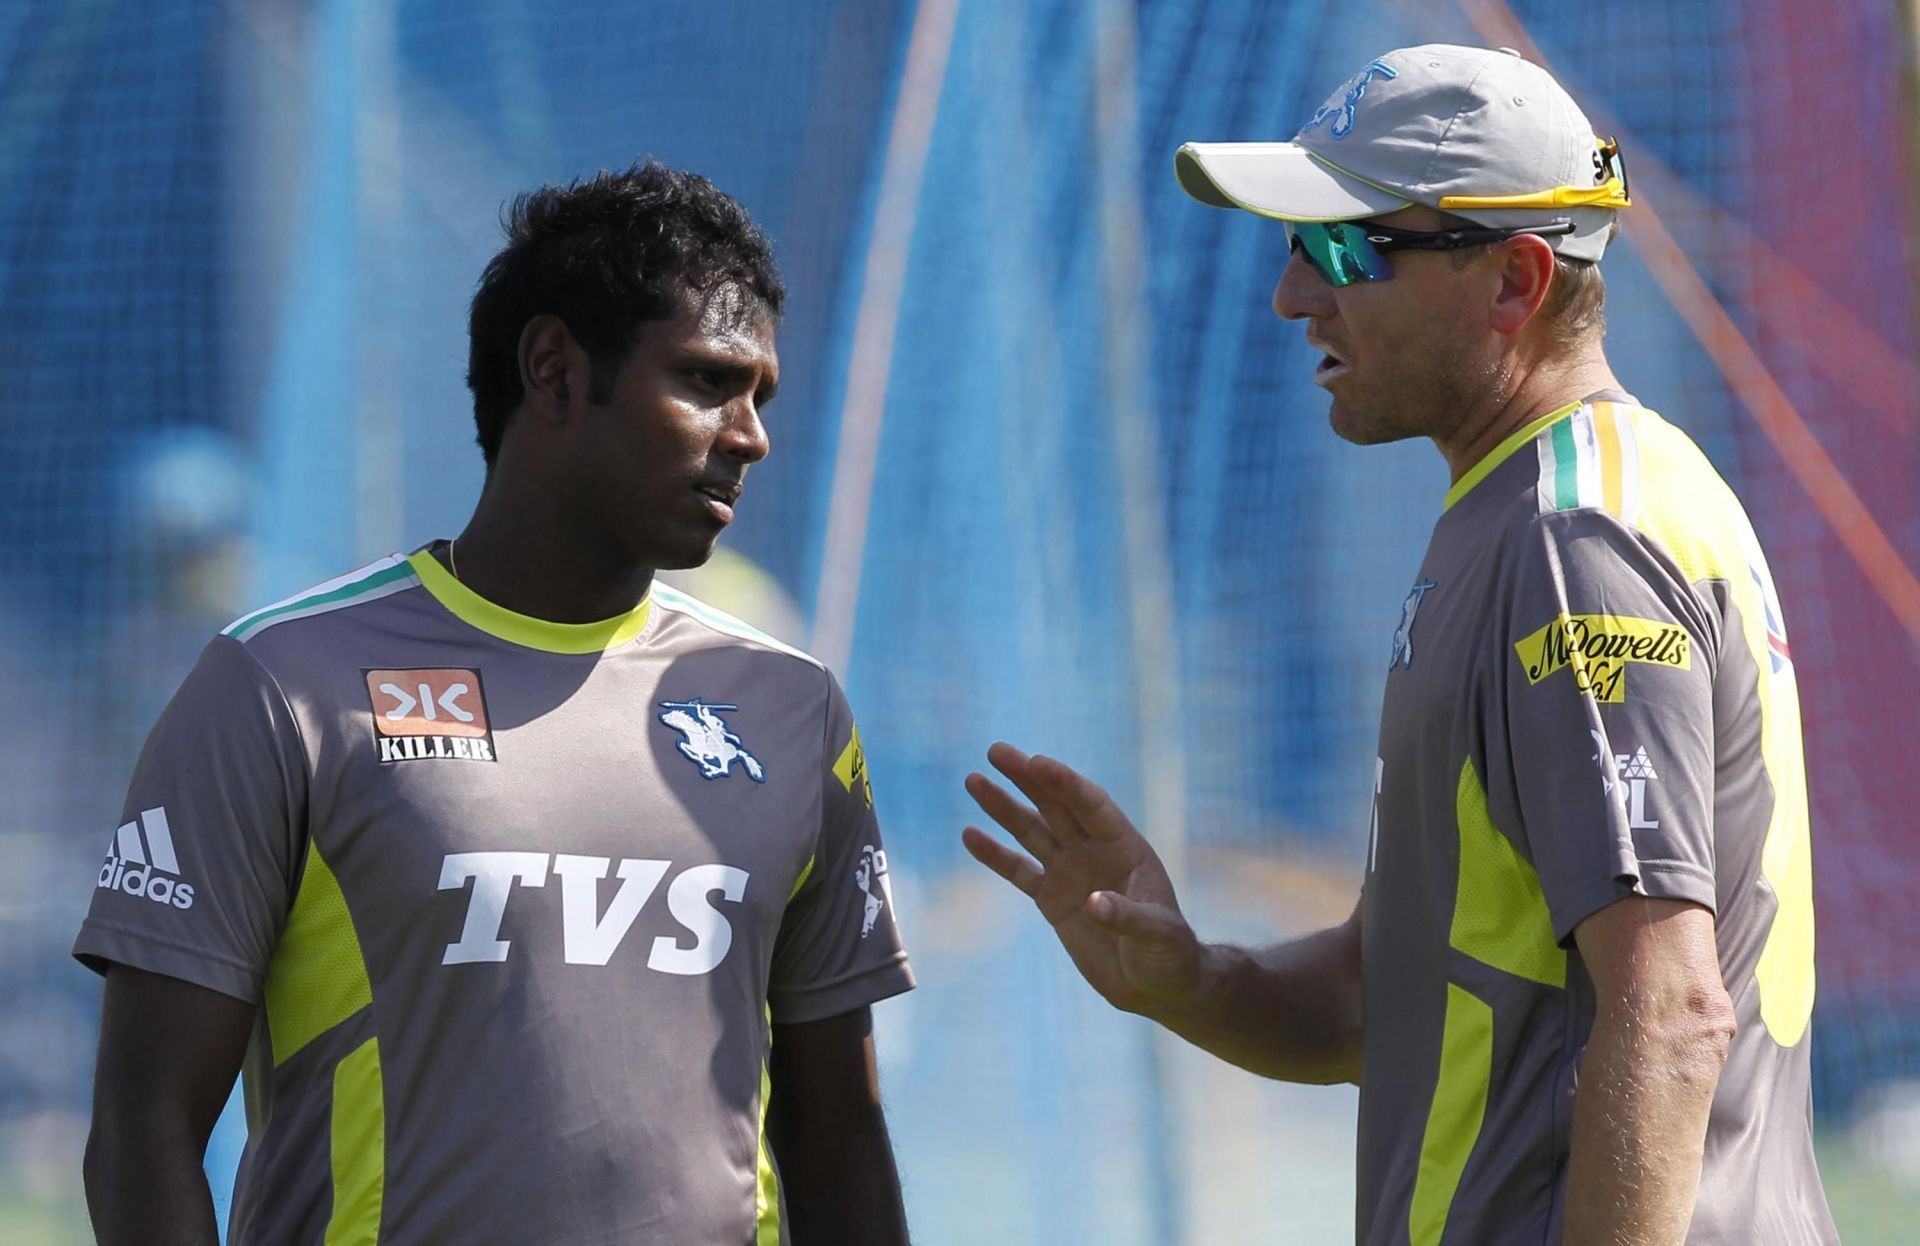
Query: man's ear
[[1526, 273], [552, 367]]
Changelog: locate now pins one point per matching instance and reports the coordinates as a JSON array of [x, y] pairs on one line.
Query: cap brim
[[1280, 180]]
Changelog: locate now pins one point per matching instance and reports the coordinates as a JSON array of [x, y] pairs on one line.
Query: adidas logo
[[148, 869]]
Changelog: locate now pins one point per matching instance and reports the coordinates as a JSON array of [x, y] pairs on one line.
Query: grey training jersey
[[1591, 697], [517, 900]]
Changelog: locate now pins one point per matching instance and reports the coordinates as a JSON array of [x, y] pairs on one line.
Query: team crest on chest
[[707, 741], [1403, 635]]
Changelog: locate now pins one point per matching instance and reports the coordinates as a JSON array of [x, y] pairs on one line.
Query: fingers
[[1026, 773], [1024, 824], [1072, 803], [1023, 873]]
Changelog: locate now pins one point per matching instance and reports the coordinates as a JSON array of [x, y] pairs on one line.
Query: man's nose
[[1301, 291], [745, 437]]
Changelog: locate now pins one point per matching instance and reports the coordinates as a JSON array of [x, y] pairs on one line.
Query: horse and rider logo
[[1351, 94], [1403, 635], [707, 741]]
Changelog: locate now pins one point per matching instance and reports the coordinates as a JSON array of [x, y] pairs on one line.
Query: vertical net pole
[[1149, 571]]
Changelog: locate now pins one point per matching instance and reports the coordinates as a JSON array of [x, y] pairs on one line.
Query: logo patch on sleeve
[[871, 877], [1597, 648], [851, 768], [430, 713], [142, 862]]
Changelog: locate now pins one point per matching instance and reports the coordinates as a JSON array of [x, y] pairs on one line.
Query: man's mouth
[[1331, 364], [720, 498]]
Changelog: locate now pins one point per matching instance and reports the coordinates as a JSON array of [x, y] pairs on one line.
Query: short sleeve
[[839, 946], [1607, 673], [199, 875]]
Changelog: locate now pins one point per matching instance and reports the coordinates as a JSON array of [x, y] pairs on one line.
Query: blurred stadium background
[[1046, 469]]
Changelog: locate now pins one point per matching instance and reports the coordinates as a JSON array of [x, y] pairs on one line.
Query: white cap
[[1482, 134]]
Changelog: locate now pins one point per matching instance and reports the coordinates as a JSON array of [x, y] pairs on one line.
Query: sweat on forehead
[[726, 307]]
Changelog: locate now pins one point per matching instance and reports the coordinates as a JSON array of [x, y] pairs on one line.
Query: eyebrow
[[729, 366]]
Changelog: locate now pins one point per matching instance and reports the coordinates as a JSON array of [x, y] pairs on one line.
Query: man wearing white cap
[[1577, 986]]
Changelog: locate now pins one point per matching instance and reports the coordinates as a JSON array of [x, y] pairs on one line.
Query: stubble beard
[[1429, 396]]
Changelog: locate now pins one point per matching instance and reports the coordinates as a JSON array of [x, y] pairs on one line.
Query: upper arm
[[199, 876], [1602, 766], [1653, 957], [169, 1052], [839, 948], [825, 1080]]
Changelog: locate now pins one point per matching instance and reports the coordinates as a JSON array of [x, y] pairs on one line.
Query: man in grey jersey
[[1575, 991], [540, 902]]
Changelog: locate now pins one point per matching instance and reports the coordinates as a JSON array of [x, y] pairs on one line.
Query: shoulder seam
[[380, 578], [304, 831], [1591, 461], [669, 598]]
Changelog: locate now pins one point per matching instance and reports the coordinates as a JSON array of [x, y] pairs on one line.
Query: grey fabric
[[1415, 126], [1663, 792], [575, 916]]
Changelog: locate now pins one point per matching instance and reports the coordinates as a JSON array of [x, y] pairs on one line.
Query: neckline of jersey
[[523, 629], [1504, 451]]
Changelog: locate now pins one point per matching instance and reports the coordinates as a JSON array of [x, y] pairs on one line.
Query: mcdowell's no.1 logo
[[1597, 649]]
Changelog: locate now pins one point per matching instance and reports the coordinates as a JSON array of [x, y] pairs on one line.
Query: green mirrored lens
[[1339, 251]]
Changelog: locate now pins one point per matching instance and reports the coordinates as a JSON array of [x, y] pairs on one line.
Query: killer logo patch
[[430, 714]]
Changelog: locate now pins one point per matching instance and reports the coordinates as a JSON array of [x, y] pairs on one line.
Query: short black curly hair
[[606, 254]]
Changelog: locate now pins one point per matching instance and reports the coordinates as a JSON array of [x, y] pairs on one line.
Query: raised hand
[[1093, 876]]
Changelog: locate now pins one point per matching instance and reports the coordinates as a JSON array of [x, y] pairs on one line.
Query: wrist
[[1216, 966]]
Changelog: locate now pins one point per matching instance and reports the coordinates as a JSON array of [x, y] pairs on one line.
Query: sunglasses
[[1344, 252]]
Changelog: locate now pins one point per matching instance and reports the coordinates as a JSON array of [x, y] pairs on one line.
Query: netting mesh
[[1106, 518]]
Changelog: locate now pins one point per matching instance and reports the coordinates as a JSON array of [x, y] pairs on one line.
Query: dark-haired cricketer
[[540, 902]]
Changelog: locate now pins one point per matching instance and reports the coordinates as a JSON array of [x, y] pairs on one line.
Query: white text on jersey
[[149, 870], [587, 936]]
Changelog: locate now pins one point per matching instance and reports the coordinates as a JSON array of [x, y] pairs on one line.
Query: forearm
[[845, 1192], [1290, 1011], [1639, 1130], [147, 1188]]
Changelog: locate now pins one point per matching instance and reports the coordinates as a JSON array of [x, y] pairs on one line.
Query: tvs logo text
[[1598, 647], [146, 869], [431, 713], [589, 936]]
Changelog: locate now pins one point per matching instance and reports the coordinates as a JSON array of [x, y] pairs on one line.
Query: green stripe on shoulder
[[1566, 463], [375, 579], [721, 621]]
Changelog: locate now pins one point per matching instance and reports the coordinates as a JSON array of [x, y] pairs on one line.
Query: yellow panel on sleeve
[[1702, 526], [317, 977]]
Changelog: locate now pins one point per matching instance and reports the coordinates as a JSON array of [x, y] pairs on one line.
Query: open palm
[[1092, 875]]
